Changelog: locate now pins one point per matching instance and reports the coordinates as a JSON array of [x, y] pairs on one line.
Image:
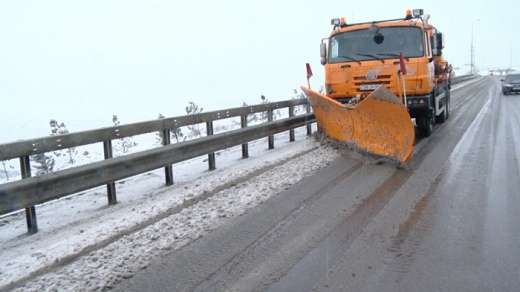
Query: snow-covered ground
[[105, 244]]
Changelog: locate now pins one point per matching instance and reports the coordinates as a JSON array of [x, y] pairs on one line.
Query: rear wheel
[[425, 125], [442, 117], [446, 112], [448, 104]]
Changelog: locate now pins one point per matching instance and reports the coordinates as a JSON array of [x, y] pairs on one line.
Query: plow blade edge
[[379, 124]]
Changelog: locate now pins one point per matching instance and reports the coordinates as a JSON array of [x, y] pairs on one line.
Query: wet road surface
[[450, 221]]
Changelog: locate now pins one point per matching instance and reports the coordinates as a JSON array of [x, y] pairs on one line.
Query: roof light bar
[[336, 22], [417, 13]]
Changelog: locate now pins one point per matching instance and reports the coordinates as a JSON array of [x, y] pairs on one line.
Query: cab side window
[[428, 45]]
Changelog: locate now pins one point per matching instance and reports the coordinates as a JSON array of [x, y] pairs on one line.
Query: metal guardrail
[[462, 78], [53, 143], [29, 191]]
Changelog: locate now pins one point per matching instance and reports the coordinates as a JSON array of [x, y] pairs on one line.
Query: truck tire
[[442, 117], [446, 112], [448, 103], [425, 125]]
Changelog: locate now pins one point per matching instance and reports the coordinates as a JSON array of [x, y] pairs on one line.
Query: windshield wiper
[[371, 56], [392, 55], [349, 58], [389, 54]]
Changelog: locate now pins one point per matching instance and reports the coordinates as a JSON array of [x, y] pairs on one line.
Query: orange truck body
[[359, 65]]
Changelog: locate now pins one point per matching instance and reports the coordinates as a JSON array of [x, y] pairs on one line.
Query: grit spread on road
[[447, 222]]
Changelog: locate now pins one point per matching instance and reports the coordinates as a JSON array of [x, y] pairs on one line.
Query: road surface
[[449, 221]]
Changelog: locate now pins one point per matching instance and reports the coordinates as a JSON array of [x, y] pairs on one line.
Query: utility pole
[[471, 51], [472, 48]]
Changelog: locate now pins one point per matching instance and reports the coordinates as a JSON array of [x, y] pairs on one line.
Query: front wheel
[[425, 125]]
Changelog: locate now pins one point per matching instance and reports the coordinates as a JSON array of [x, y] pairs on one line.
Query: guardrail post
[[291, 131], [211, 156], [245, 148], [30, 212], [309, 125], [270, 139], [168, 169], [111, 186]]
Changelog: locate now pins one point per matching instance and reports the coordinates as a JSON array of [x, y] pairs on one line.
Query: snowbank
[[150, 217]]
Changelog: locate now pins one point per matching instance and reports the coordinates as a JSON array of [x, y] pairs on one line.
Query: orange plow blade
[[379, 124]]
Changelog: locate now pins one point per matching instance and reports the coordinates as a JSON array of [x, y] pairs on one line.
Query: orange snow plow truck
[[378, 76]]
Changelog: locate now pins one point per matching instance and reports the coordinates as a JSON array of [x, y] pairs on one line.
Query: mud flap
[[379, 124]]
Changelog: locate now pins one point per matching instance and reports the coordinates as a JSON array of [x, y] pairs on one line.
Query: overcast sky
[[82, 61]]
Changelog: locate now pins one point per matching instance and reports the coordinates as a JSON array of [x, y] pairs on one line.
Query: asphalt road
[[449, 221]]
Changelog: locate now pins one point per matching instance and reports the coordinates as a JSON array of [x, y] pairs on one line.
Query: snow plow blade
[[379, 124]]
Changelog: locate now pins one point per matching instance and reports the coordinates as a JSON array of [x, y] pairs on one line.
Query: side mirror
[[440, 40], [436, 52], [437, 44], [323, 53]]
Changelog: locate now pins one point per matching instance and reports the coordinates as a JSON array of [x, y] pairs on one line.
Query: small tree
[[43, 163], [6, 173], [263, 100], [193, 109], [178, 134], [263, 115], [251, 118], [124, 144], [175, 133], [60, 129], [298, 94], [159, 135]]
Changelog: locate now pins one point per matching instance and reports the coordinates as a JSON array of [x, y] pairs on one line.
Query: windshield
[[379, 43], [513, 78]]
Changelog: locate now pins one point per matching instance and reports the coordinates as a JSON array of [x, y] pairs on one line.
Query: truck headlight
[[416, 101], [328, 88]]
